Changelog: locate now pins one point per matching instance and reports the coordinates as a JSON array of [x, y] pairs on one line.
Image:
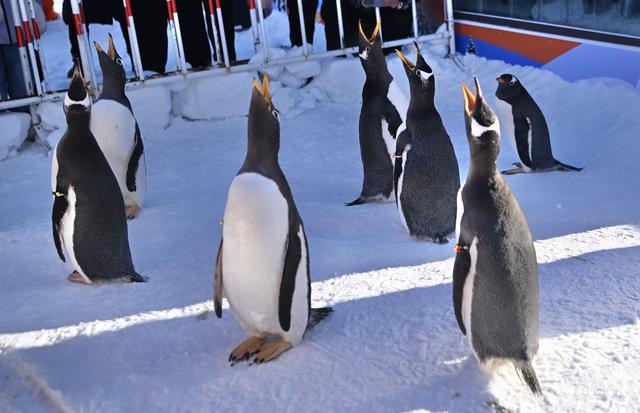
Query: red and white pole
[[173, 10], [83, 42], [38, 45], [223, 36], [254, 24], [173, 36], [22, 48], [214, 28], [32, 52], [133, 40]]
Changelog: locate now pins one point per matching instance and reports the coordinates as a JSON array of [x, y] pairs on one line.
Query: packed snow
[[392, 343]]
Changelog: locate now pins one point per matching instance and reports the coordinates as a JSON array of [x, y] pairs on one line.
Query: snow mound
[[151, 106], [342, 80], [52, 115], [15, 127], [217, 97], [273, 72], [305, 69]]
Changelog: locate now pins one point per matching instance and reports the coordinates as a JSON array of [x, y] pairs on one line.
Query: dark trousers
[[396, 24], [151, 29], [309, 8], [11, 77]]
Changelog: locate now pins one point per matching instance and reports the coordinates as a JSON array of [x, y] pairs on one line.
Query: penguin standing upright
[[495, 274], [525, 126], [117, 132], [262, 265], [384, 109], [88, 211], [426, 173]]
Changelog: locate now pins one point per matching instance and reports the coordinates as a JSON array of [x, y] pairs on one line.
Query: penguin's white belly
[[467, 291], [398, 99], [507, 125], [389, 141], [459, 212], [400, 181], [114, 128], [67, 229], [255, 232]]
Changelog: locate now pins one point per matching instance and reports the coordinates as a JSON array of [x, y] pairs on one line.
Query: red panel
[[539, 48]]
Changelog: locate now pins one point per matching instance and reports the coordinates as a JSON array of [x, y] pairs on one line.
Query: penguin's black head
[[509, 87], [111, 65], [77, 102], [421, 79], [264, 121], [482, 125], [370, 51]]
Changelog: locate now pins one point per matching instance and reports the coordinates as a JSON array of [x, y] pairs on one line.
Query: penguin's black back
[[504, 313], [100, 238]]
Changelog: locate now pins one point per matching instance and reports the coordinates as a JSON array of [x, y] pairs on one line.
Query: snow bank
[[273, 54], [151, 106], [341, 80], [52, 115], [216, 97], [14, 127], [302, 70]]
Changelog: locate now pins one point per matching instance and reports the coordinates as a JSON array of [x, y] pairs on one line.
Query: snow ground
[[392, 343]]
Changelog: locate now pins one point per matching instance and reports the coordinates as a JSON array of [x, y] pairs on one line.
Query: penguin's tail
[[318, 314], [528, 375], [136, 278], [567, 168], [358, 201]]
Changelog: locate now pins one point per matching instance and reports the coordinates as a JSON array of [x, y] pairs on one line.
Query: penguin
[[495, 275], [526, 128], [384, 110], [262, 265], [116, 130], [88, 216], [426, 176]]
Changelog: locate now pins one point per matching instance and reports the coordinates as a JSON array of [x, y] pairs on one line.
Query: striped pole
[[30, 49], [38, 45], [303, 29], [22, 48], [178, 33], [340, 24], [263, 32], [214, 29], [133, 40], [223, 36], [173, 36], [254, 24], [85, 53]]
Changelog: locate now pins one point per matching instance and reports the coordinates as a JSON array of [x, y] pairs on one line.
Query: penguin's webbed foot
[[132, 211], [246, 349], [358, 201], [76, 277], [272, 350]]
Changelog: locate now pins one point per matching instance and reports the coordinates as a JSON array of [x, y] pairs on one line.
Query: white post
[[38, 44], [379, 19], [223, 36], [214, 29], [133, 40], [340, 24], [176, 24], [263, 31], [174, 42], [303, 29], [450, 27], [414, 14], [254, 24], [30, 49], [22, 48]]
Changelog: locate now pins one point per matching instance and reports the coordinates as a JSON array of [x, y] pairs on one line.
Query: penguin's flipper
[[217, 285], [134, 161], [393, 118], [60, 206], [461, 268], [522, 131], [528, 375], [293, 255]]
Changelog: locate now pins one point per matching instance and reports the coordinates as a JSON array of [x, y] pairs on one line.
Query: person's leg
[[396, 24], [119, 15], [13, 67], [151, 30], [194, 35], [241, 14], [67, 17], [4, 82], [309, 12]]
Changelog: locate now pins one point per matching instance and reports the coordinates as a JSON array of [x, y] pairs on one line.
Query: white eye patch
[[119, 61], [364, 55], [275, 114], [424, 76], [513, 81]]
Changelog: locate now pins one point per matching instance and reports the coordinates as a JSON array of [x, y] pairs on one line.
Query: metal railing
[[39, 89]]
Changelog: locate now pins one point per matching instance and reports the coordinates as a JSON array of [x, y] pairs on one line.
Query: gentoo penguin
[[384, 109], [88, 211], [117, 132], [426, 170], [262, 265], [526, 128], [495, 275]]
